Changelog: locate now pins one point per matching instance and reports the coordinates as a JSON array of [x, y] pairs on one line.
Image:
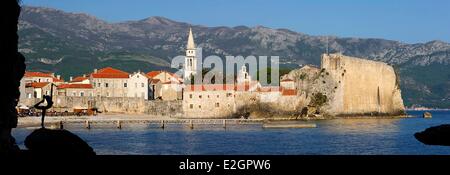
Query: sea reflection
[[362, 126]]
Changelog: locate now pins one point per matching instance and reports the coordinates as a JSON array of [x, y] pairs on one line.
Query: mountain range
[[75, 43]]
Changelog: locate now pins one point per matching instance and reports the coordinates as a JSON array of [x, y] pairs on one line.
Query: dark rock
[[437, 135], [57, 143]]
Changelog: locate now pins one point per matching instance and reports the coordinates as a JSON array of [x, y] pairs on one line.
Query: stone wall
[[363, 86], [209, 104], [123, 105]]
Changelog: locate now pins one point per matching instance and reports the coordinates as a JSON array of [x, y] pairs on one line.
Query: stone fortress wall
[[119, 105], [363, 86]]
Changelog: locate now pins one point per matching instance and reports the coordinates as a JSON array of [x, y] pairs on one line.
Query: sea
[[330, 137]]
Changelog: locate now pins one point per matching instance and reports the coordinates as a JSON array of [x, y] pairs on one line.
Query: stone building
[[80, 80], [110, 82], [76, 90], [36, 84], [209, 101], [138, 85], [287, 84], [164, 85], [41, 77], [38, 89]]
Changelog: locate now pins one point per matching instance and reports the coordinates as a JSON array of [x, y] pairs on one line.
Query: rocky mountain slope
[[71, 43]]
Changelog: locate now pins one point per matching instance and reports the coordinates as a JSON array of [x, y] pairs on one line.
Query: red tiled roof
[[75, 86], [153, 74], [286, 80], [156, 73], [269, 89], [154, 81], [79, 79], [110, 72], [288, 92], [37, 84], [37, 74], [57, 80]]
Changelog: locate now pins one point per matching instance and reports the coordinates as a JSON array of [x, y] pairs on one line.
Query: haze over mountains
[[73, 44]]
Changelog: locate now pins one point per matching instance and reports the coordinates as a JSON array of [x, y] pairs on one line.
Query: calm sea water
[[340, 136]]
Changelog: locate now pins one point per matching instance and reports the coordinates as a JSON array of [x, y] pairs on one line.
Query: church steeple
[[190, 62], [190, 44]]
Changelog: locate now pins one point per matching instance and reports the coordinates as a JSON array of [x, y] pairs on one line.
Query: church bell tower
[[190, 61]]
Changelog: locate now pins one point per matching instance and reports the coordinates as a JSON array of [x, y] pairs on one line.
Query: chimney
[[84, 75], [52, 74], [71, 78], [58, 77], [95, 70]]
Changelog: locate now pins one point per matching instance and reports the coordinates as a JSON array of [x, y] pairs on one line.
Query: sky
[[409, 21]]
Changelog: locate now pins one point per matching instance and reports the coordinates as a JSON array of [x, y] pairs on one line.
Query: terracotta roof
[[286, 80], [37, 84], [57, 80], [154, 81], [75, 86], [288, 92], [153, 74], [79, 79], [37, 74], [110, 72]]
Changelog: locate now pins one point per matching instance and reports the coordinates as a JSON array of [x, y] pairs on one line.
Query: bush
[[319, 99]]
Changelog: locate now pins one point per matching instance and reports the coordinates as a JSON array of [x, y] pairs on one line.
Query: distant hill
[[71, 43]]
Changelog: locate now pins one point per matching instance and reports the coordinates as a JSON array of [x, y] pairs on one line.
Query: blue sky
[[409, 21]]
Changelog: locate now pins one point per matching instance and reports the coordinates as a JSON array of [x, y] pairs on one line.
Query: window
[[107, 94], [217, 96], [81, 94], [106, 84], [99, 85], [200, 106], [142, 85], [217, 105], [29, 95], [228, 94], [74, 94], [191, 106], [125, 85], [200, 96]]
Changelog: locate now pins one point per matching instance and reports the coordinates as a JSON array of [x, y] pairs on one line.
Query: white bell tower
[[243, 76], [190, 62]]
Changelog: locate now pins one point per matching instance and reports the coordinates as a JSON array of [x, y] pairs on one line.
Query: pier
[[122, 122], [90, 123]]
